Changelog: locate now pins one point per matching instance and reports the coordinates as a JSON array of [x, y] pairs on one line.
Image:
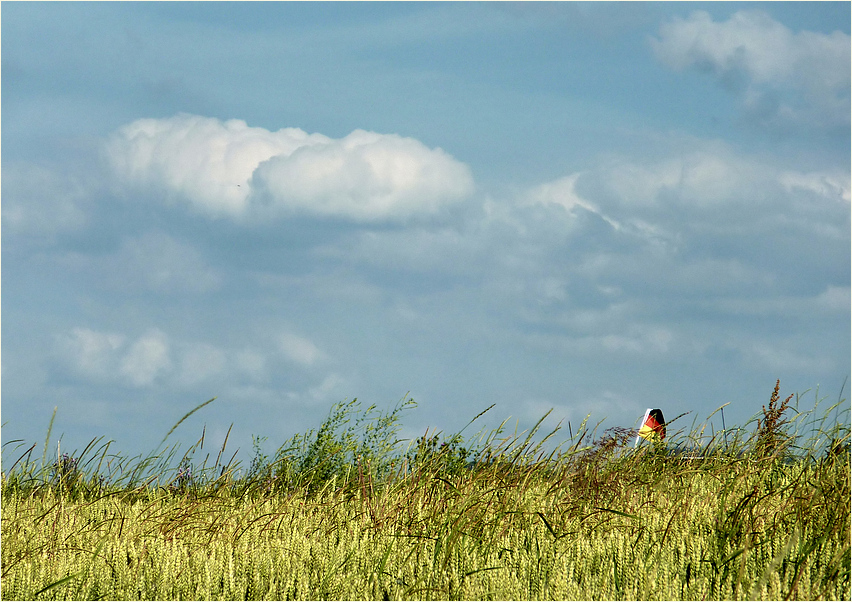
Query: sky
[[594, 208]]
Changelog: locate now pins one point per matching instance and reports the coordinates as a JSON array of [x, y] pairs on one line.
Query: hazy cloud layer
[[231, 169], [782, 77]]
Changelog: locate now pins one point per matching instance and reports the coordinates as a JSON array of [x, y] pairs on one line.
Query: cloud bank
[[228, 169]]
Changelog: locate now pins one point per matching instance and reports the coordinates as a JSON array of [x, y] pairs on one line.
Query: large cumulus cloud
[[231, 169]]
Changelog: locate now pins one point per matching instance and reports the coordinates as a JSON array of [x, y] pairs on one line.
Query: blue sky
[[590, 207]]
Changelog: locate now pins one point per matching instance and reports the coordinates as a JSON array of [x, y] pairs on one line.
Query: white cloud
[[563, 192], [199, 159], [631, 339], [201, 362], [109, 357], [708, 233], [654, 202], [602, 404], [164, 264], [157, 359], [713, 189], [39, 201], [365, 176], [831, 301], [422, 250], [823, 184], [784, 356], [835, 299], [299, 350], [146, 359], [90, 353], [152, 261], [231, 169], [252, 364], [321, 392], [700, 177], [799, 77]]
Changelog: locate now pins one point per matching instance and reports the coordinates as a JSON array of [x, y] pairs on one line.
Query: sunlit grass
[[345, 512]]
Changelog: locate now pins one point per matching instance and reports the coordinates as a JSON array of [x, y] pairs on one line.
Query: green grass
[[344, 512]]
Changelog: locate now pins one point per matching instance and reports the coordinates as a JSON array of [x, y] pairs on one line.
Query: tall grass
[[347, 511]]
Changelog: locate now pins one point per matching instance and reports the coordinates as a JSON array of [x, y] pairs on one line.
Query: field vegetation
[[348, 512]]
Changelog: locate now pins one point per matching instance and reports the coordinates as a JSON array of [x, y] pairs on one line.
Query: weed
[[65, 472], [771, 440]]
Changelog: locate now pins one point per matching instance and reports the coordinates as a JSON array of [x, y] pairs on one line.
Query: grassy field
[[343, 513]]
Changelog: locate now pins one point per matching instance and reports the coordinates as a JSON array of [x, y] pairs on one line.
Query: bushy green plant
[[448, 456], [351, 441]]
